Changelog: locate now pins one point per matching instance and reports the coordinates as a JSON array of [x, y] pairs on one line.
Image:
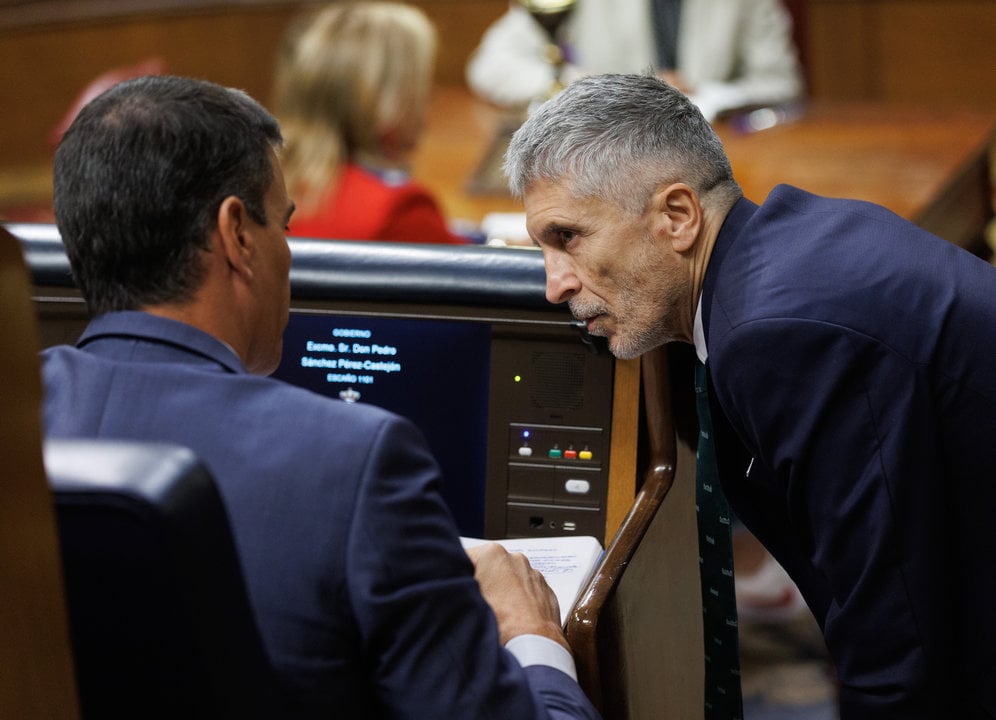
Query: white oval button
[[577, 487]]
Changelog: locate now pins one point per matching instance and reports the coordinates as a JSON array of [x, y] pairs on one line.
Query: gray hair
[[619, 137]]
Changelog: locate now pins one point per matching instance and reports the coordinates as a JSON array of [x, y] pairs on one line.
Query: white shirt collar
[[698, 334]]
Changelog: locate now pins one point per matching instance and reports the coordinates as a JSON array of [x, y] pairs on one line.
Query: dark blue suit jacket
[[853, 357], [365, 599]]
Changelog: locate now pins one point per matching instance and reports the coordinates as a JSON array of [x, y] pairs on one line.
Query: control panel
[[549, 441], [556, 480]]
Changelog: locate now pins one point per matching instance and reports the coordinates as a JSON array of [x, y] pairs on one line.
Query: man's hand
[[521, 600]]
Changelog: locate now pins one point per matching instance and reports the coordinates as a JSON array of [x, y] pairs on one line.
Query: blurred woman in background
[[352, 92]]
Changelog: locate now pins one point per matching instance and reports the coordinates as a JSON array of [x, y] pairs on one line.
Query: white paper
[[566, 562]]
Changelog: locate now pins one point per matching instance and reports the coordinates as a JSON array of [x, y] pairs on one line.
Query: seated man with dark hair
[[172, 206]]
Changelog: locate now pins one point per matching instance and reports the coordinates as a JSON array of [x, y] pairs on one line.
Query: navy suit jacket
[[366, 601], [852, 356]]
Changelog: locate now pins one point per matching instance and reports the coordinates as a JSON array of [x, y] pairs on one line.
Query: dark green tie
[[719, 605]]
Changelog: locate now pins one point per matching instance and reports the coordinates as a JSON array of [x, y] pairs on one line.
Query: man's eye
[[566, 236]]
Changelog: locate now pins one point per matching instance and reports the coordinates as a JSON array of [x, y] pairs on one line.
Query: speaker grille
[[559, 380]]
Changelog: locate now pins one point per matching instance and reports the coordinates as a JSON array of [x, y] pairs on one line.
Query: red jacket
[[365, 206]]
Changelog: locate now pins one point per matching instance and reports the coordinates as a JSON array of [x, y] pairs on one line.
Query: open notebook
[[566, 562]]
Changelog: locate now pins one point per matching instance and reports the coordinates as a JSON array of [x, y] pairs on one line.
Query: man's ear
[[677, 215], [236, 241]]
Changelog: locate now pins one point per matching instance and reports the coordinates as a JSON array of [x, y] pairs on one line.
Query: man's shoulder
[[62, 359], [65, 367], [788, 200]]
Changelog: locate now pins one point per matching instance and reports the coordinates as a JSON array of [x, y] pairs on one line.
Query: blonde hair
[[353, 79]]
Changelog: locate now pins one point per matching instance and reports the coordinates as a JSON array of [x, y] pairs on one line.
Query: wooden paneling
[[944, 51], [840, 50], [45, 68], [923, 51], [45, 63]]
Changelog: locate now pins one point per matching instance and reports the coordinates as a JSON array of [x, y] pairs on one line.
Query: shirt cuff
[[539, 650]]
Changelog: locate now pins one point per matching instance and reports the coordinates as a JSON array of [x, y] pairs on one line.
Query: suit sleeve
[[843, 427], [430, 639]]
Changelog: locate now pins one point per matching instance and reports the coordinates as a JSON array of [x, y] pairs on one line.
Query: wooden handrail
[[582, 623]]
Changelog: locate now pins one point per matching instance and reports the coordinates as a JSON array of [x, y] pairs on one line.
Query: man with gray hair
[[849, 372]]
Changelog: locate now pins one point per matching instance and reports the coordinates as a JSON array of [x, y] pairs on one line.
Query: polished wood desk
[[931, 166]]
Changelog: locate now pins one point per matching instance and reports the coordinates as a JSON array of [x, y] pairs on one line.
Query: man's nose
[[561, 282]]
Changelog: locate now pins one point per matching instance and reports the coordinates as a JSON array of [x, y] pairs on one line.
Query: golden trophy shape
[[551, 14], [489, 179]]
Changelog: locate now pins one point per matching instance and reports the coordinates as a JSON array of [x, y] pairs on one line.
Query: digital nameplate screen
[[433, 372]]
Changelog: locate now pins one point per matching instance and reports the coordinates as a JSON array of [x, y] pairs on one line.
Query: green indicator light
[[517, 378]]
